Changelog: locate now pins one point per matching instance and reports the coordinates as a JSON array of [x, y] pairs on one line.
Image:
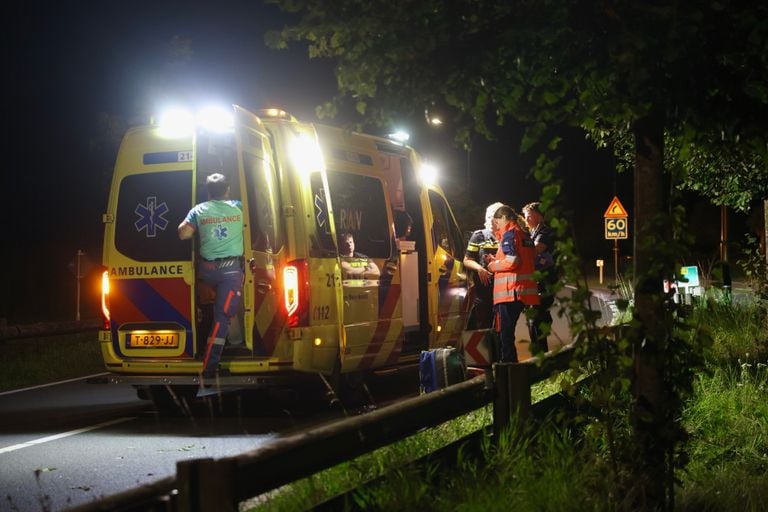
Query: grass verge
[[34, 361], [551, 469]]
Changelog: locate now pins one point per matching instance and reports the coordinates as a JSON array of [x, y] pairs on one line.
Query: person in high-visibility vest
[[513, 284], [482, 242]]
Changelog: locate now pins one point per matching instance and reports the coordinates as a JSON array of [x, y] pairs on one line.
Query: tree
[[694, 71]]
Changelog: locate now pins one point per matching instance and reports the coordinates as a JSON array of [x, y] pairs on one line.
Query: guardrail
[[220, 484], [41, 329]]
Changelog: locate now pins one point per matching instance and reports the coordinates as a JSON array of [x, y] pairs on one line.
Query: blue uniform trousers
[[226, 276]]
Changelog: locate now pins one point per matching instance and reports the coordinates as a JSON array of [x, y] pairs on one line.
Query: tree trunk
[[651, 228]]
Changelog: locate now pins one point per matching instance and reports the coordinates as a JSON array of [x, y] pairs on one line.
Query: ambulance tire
[[171, 400], [349, 388]]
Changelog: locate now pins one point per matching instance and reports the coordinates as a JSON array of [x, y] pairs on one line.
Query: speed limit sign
[[616, 228]]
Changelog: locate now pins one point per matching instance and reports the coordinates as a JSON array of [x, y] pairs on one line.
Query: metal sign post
[[616, 228]]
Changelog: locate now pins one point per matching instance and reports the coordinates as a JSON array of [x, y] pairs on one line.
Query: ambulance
[[306, 189]]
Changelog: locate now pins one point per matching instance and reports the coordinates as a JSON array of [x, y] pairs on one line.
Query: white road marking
[[63, 435], [52, 384]]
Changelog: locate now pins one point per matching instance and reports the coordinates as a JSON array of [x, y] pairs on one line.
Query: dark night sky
[[68, 64]]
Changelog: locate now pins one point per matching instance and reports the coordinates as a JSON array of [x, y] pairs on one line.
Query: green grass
[[305, 493], [729, 448], [407, 488], [552, 469], [33, 361], [739, 330]]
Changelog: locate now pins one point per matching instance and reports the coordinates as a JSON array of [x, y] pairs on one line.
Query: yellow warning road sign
[[615, 210]]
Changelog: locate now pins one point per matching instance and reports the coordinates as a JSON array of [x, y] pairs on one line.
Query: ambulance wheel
[[349, 387]]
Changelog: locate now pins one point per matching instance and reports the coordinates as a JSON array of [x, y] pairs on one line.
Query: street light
[[435, 119]]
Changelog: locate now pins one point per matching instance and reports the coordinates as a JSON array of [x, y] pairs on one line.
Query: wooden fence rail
[[220, 484]]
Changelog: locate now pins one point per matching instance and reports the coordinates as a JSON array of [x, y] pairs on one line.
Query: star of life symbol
[[321, 217], [151, 217], [220, 232]]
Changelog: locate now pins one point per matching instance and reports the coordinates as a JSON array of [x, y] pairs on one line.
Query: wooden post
[[513, 395], [206, 484]]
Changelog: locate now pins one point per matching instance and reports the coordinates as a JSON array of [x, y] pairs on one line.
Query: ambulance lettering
[[350, 220], [151, 217], [147, 271]]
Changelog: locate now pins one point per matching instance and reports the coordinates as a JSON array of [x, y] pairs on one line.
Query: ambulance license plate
[[150, 339]]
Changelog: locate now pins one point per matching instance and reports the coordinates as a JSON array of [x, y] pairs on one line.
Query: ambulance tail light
[[296, 293], [105, 299]]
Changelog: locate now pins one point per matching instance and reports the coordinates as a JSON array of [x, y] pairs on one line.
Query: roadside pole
[[78, 276], [616, 228]]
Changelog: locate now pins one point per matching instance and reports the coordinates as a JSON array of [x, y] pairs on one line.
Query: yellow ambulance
[[308, 192]]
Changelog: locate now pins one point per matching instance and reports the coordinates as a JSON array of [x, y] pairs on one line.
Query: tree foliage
[[683, 82]]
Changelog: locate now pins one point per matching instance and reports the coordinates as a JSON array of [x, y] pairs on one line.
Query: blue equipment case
[[440, 367]]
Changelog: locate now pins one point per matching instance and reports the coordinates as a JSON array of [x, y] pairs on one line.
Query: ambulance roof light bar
[[275, 113], [178, 122], [400, 136]]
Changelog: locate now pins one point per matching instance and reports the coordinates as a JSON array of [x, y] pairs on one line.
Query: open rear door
[[264, 238]]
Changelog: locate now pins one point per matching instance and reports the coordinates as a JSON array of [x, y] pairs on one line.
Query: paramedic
[[544, 244], [355, 265], [513, 284], [219, 225], [481, 242]]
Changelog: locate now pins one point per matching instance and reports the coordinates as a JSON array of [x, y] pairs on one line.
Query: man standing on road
[[219, 224], [513, 284], [482, 242], [543, 238]]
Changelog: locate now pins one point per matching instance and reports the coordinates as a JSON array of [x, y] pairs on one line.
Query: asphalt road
[[67, 444], [70, 443]]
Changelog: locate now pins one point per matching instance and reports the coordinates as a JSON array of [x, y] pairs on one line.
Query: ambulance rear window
[[359, 208], [149, 209]]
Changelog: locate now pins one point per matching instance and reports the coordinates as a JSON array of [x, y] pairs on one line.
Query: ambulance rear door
[[361, 204], [150, 269], [264, 239], [447, 279]]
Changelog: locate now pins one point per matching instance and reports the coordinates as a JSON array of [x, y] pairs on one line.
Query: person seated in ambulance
[[355, 265]]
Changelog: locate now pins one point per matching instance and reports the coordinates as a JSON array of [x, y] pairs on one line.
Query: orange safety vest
[[513, 274]]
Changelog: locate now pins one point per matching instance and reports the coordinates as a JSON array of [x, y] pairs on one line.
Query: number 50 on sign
[[616, 228]]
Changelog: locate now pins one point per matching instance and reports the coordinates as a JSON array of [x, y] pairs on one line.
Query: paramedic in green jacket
[[219, 225]]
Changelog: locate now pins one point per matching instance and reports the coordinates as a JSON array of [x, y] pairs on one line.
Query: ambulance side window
[[263, 204], [445, 233], [359, 208]]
